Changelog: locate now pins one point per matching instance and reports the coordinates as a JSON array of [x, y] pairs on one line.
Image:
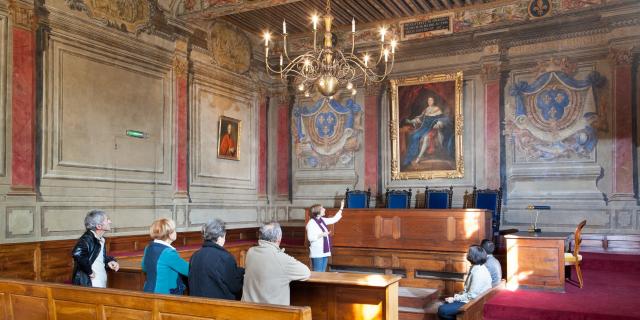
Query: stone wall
[[98, 73]]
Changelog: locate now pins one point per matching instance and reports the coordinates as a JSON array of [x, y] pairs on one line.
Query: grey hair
[[94, 218], [271, 232], [213, 230]]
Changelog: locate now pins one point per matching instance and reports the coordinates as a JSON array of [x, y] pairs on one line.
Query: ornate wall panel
[[327, 155], [94, 95], [212, 99], [68, 221], [235, 217], [20, 222]]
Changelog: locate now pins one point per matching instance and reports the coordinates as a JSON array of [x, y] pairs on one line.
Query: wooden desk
[[427, 246], [536, 260], [330, 295], [333, 295]]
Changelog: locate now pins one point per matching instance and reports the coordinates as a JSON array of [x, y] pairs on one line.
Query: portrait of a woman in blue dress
[[429, 142]]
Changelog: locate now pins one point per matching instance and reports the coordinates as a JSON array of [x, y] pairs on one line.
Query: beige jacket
[[268, 272]]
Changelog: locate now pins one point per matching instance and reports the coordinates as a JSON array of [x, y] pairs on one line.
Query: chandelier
[[328, 69]]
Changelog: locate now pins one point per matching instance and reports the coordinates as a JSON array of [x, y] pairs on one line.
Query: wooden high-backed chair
[[574, 258]]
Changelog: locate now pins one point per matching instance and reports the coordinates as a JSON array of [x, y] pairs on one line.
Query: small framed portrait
[[426, 127], [229, 138]]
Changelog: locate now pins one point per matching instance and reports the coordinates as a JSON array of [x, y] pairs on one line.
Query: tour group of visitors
[[212, 271]]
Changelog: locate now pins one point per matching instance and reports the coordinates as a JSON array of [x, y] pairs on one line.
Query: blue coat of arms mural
[[553, 117], [326, 134]]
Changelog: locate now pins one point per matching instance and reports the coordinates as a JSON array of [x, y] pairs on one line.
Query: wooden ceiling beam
[[368, 8], [425, 6], [447, 3], [458, 3], [384, 14], [413, 7], [402, 5], [390, 7], [435, 4], [360, 14]]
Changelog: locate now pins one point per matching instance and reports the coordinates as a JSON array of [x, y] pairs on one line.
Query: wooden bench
[[23, 299], [473, 309]]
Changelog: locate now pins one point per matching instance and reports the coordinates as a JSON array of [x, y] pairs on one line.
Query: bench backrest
[[41, 300], [473, 309]]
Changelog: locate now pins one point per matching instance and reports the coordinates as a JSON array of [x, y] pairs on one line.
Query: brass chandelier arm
[[326, 68]]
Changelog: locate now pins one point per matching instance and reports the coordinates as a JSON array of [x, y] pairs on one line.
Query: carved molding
[[373, 89], [23, 15], [621, 56], [563, 64], [180, 66], [490, 71]]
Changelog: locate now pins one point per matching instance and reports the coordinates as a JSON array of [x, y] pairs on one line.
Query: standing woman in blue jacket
[[161, 261]]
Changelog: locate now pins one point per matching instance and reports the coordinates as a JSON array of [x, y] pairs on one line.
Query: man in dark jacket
[[213, 271], [89, 254]]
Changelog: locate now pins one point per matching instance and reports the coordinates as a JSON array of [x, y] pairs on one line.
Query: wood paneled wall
[[51, 260]]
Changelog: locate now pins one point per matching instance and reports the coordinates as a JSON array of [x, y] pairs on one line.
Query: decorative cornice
[[621, 56], [556, 64], [23, 15]]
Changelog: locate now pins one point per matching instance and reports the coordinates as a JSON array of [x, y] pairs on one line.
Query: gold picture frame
[[426, 127], [229, 138]]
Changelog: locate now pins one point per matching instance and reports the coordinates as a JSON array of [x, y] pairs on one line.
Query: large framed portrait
[[426, 127], [228, 138]]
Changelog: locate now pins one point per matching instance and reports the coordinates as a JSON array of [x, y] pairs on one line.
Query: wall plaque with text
[[423, 28]]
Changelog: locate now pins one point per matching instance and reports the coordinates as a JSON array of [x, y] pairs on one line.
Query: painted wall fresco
[[552, 118], [327, 133], [230, 48], [126, 15], [489, 15]]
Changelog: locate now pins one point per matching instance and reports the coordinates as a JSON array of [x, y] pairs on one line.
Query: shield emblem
[[326, 124], [555, 108]]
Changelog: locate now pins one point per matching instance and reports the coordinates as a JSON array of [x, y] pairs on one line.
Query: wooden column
[[491, 79], [180, 70], [23, 101], [284, 147], [372, 137], [622, 124], [263, 107]]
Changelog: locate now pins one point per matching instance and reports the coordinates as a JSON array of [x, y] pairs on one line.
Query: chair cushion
[[569, 258], [397, 201], [357, 200], [437, 200]]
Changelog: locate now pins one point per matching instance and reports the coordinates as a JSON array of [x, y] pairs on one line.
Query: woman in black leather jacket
[[87, 251]]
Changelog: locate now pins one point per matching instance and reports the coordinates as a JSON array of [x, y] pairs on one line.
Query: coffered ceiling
[[258, 15]]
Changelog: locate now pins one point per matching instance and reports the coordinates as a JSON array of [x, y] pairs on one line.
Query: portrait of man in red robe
[[228, 139]]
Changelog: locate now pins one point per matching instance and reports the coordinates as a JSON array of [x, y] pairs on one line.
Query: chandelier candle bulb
[[327, 69]]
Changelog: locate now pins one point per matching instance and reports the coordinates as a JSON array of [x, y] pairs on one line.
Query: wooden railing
[[37, 300]]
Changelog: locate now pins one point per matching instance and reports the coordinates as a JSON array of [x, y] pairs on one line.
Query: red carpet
[[611, 291]]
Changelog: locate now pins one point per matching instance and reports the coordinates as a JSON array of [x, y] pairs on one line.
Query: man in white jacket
[[318, 236], [268, 270]]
